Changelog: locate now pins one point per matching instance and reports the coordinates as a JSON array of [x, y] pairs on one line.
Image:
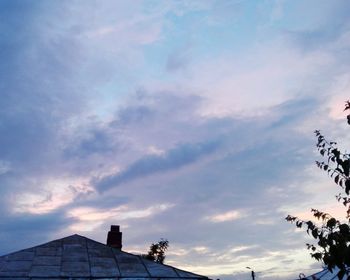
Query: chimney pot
[[115, 228], [114, 237]]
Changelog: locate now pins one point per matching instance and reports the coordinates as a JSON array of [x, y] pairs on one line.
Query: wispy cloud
[[175, 158], [88, 219], [226, 216]]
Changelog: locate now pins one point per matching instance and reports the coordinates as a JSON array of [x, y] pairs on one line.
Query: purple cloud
[[175, 158]]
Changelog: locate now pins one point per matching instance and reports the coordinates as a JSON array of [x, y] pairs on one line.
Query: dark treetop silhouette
[[157, 250], [333, 236]]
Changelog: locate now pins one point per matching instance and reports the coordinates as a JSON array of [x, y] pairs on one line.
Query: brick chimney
[[114, 238]]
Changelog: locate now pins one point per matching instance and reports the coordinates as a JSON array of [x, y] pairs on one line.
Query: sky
[[186, 120]]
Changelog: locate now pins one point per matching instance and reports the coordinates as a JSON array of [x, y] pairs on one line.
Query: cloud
[[182, 110], [178, 59], [55, 194], [39, 228], [225, 217], [239, 179], [95, 141], [88, 219], [175, 158]]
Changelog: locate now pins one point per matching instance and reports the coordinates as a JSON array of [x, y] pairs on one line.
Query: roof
[[325, 274], [78, 257]]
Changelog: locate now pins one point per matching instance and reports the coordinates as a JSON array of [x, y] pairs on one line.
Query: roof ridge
[[59, 244], [32, 247]]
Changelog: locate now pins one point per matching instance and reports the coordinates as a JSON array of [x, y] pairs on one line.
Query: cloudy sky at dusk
[[186, 120]]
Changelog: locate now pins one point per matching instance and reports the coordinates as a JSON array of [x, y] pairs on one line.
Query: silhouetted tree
[[157, 250], [333, 236]]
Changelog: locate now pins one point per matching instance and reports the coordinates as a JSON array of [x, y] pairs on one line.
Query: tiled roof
[[325, 275], [80, 258]]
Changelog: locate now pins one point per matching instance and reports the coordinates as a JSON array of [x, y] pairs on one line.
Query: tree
[[332, 235], [157, 250]]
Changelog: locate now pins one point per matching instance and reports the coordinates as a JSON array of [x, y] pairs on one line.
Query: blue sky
[[187, 120]]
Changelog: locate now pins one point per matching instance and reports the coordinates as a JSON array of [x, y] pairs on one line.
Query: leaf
[[336, 179], [331, 223], [317, 256], [346, 167], [310, 225], [330, 268], [347, 186], [341, 274], [347, 107], [344, 229]]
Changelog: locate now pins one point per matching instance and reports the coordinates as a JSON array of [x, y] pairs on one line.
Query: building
[[325, 274], [79, 258]]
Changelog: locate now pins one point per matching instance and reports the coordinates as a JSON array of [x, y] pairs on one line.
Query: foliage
[[333, 236], [157, 250]]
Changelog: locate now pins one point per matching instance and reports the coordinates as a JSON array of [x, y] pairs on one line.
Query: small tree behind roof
[[157, 251]]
